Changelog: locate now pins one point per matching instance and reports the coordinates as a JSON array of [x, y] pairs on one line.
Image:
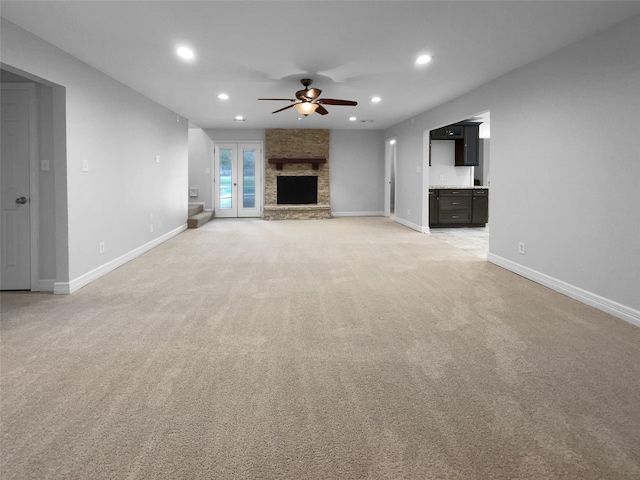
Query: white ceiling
[[351, 49]]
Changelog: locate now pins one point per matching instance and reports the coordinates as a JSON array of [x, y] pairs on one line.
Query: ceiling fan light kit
[[306, 108], [307, 101]]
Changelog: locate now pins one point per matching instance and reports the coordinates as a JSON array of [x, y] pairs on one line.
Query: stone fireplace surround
[[296, 144]]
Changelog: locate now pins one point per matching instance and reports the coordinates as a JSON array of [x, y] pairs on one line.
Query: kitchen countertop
[[443, 187]]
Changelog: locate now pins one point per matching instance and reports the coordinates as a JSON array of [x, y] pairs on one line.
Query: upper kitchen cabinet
[[451, 132], [467, 148], [467, 140]]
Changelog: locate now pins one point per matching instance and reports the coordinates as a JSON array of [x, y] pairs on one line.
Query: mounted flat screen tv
[[297, 190]]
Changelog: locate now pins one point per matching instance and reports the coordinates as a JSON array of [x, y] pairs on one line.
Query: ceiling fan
[[307, 100]]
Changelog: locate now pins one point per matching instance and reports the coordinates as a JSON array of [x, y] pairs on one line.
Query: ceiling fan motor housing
[[300, 95]]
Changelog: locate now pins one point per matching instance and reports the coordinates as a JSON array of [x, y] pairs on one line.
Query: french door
[[238, 180]]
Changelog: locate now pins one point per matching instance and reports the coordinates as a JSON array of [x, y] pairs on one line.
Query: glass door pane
[[226, 178], [224, 185], [248, 179]]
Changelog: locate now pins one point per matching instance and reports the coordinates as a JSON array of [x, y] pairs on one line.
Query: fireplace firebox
[[297, 190]]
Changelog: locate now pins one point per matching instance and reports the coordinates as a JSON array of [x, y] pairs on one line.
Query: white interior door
[[238, 180], [15, 182]]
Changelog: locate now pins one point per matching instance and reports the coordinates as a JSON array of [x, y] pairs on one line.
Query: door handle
[[21, 200], [235, 184]]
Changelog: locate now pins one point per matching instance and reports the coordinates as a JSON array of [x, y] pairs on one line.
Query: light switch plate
[[45, 165], [85, 165]]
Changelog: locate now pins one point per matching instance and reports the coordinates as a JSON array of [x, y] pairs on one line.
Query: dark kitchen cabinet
[[433, 206], [467, 148], [451, 132], [458, 207], [480, 211], [467, 138]]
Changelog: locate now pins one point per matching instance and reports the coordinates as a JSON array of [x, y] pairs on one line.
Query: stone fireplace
[[300, 153]]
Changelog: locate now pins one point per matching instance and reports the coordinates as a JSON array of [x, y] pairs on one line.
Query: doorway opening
[[390, 177], [462, 221], [35, 239], [18, 259]]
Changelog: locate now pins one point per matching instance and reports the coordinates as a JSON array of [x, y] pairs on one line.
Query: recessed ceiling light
[[186, 53], [352, 119], [223, 96], [423, 59], [375, 99], [239, 118]]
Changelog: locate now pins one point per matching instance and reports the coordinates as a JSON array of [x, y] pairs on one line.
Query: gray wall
[[481, 173], [201, 166], [235, 135], [443, 160], [46, 183], [357, 172], [119, 132], [565, 168]]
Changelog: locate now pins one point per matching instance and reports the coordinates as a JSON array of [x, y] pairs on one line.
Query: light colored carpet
[[350, 348]]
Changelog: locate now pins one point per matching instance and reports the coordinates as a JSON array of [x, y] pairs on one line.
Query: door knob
[[235, 184], [21, 200]]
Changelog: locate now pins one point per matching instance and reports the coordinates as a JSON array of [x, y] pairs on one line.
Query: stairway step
[[199, 219], [194, 209]]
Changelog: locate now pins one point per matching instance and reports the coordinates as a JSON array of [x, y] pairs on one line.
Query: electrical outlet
[[408, 211], [442, 178], [151, 228], [85, 165], [521, 248], [157, 158], [159, 224], [101, 248]]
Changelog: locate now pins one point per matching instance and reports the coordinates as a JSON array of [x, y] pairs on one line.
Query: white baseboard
[[357, 214], [65, 288], [413, 226], [611, 307], [43, 285]]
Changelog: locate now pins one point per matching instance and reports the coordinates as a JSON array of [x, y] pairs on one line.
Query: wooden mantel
[[315, 162]]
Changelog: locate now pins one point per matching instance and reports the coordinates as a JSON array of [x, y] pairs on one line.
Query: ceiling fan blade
[[279, 99], [332, 101], [313, 93], [321, 110], [284, 108]]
